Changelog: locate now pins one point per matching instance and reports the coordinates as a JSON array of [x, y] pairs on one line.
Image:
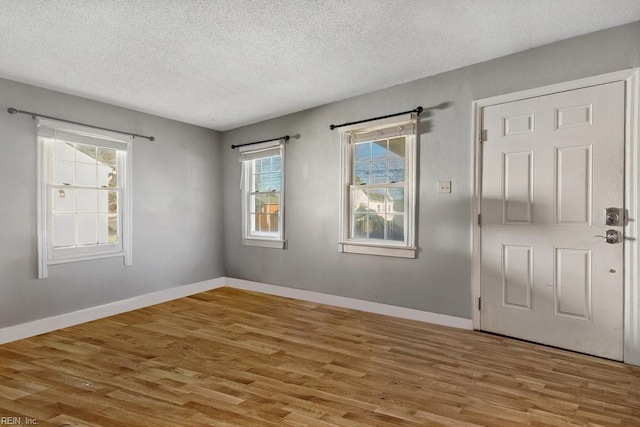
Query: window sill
[[382, 250], [265, 243], [63, 260]]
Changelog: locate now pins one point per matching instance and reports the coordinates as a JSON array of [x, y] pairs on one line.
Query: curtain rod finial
[[332, 127], [419, 109], [12, 110], [151, 138]]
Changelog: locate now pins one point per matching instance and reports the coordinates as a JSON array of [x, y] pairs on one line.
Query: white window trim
[[372, 247], [123, 249], [253, 240]]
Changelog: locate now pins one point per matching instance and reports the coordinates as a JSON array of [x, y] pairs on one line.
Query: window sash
[[388, 159], [106, 246], [253, 213], [353, 214]]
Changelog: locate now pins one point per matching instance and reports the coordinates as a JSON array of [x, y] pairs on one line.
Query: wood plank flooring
[[236, 358]]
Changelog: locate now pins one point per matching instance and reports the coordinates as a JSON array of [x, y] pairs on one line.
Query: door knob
[[612, 236]]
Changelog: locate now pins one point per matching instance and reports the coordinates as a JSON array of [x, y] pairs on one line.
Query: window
[[263, 194], [378, 187], [84, 207]]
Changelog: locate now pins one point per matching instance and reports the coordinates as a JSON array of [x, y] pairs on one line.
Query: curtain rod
[[12, 110], [286, 138], [418, 110]]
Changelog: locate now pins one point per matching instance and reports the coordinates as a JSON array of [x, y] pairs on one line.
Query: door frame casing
[[631, 306]]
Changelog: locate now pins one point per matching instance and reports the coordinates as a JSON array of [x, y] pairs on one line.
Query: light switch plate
[[444, 187]]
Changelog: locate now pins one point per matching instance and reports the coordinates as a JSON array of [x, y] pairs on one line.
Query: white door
[[550, 167]]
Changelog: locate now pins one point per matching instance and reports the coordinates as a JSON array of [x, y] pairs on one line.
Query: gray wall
[[181, 237], [439, 280], [177, 219]]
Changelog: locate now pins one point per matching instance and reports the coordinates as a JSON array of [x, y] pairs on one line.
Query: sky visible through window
[[378, 162]]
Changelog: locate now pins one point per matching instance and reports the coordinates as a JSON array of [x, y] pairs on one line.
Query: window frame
[[248, 167], [47, 129], [348, 244]]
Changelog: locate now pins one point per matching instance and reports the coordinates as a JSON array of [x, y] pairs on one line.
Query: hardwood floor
[[236, 358]]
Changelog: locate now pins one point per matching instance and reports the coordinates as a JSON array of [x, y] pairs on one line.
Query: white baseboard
[[41, 326], [355, 304]]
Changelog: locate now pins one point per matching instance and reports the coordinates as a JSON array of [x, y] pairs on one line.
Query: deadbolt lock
[[613, 216]]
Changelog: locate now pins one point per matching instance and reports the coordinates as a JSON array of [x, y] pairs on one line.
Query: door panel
[[573, 168], [517, 276], [517, 187], [551, 165], [573, 278]]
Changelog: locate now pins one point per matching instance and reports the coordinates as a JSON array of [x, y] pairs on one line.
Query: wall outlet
[[444, 187]]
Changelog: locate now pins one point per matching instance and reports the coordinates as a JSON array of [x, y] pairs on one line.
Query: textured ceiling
[[226, 63]]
